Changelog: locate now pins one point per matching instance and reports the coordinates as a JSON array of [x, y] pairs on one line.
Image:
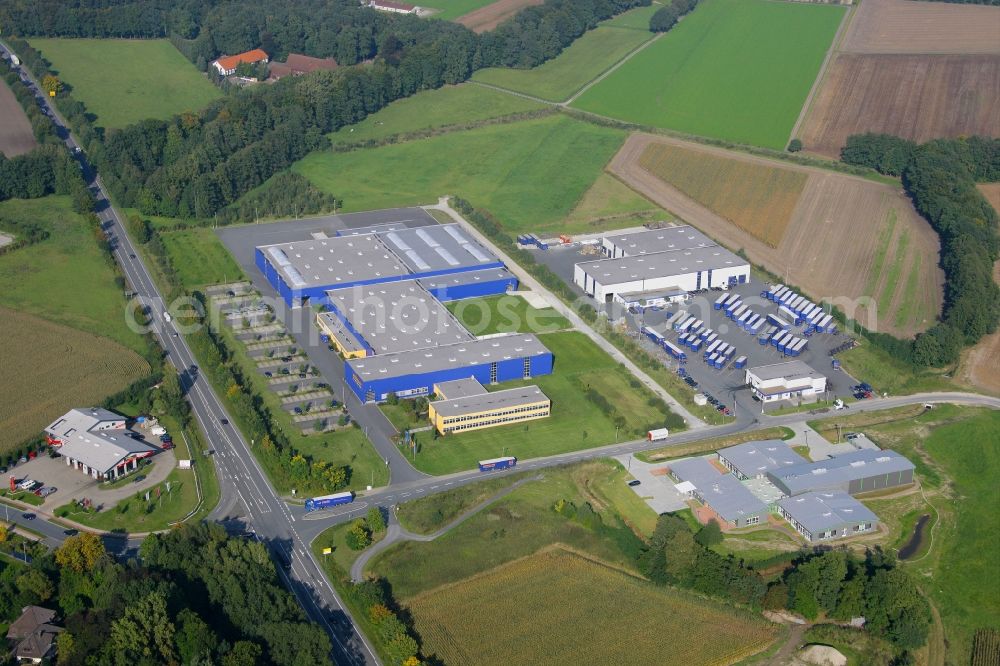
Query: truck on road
[[497, 463], [327, 501], [657, 435]]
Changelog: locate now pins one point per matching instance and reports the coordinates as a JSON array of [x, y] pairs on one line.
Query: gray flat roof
[[753, 458], [82, 439], [823, 511], [447, 357], [841, 470], [460, 388], [398, 316], [472, 404], [347, 339], [723, 492], [466, 277], [661, 264], [437, 247], [331, 261], [786, 370], [682, 237]]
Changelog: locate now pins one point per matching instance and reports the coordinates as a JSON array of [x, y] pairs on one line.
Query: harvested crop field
[[493, 14], [848, 239], [506, 616], [16, 137], [49, 368], [758, 199], [918, 97], [905, 26]]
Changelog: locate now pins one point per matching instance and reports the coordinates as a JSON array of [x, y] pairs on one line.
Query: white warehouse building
[[658, 261], [786, 381]]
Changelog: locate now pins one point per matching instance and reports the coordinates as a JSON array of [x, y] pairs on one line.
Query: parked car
[[46, 491], [634, 482], [71, 532], [139, 479], [267, 374]]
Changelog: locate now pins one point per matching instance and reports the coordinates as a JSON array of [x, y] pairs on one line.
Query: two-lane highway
[[258, 507]]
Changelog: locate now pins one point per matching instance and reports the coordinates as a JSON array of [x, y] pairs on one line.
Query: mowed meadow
[[584, 60], [738, 70], [123, 81], [530, 174], [506, 615]]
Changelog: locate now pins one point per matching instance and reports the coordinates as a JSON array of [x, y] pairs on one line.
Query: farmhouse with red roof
[[226, 65]]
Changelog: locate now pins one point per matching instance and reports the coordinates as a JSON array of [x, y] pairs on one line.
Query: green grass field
[[122, 81], [738, 70], [445, 106], [529, 174], [583, 61], [200, 258], [505, 314], [65, 278], [610, 203], [635, 19], [575, 423], [452, 9]]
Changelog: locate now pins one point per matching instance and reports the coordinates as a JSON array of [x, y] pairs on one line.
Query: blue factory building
[[490, 361], [302, 271]]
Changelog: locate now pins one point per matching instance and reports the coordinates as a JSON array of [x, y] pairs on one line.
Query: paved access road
[[248, 499]]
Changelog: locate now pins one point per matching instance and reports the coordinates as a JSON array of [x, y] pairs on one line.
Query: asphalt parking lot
[[728, 384]]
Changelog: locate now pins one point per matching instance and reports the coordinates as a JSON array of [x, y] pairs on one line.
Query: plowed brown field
[[848, 239], [913, 96], [16, 136], [905, 26], [488, 17]]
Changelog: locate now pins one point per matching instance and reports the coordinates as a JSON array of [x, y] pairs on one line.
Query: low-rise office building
[[732, 503], [856, 472], [820, 516], [473, 410], [790, 380], [753, 460]]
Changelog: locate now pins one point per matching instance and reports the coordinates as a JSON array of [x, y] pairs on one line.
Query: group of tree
[[940, 176], [196, 164], [363, 530], [820, 584], [666, 17], [840, 586], [42, 126], [193, 596], [45, 170]]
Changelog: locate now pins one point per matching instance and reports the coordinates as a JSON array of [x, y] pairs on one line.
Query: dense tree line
[[196, 164], [833, 584], [41, 126], [194, 596], [940, 176], [666, 17], [47, 169]]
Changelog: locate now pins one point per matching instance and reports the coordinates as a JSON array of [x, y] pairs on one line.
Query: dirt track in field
[[486, 18], [918, 97], [905, 26], [831, 246], [16, 137]]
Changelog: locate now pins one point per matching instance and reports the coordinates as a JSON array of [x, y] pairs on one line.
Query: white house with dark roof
[[97, 442]]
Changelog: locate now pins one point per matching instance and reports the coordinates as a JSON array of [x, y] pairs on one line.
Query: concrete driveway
[[655, 489], [72, 484]]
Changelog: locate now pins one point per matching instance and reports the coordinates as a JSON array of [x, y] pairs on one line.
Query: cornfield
[[986, 648], [758, 199], [49, 368], [561, 607]]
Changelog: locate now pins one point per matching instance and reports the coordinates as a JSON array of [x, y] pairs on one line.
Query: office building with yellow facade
[[466, 405]]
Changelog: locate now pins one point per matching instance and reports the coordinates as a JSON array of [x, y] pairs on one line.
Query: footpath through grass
[[429, 109], [576, 422], [122, 81], [529, 174], [738, 70], [583, 61]]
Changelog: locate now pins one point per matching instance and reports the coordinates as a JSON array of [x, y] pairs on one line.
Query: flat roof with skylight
[[660, 264]]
